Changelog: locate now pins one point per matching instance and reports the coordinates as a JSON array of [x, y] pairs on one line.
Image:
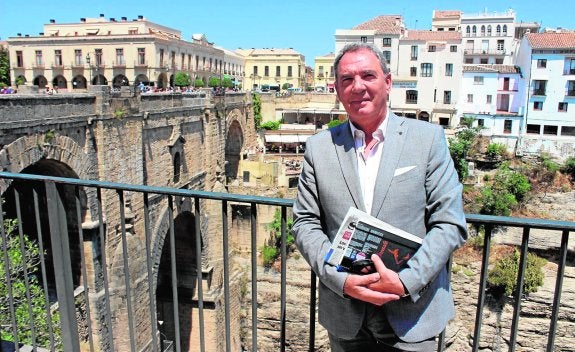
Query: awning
[[286, 138]]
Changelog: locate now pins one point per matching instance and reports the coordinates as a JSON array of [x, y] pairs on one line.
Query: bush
[[271, 125], [495, 149], [334, 123], [496, 202], [503, 277], [269, 255], [569, 167]]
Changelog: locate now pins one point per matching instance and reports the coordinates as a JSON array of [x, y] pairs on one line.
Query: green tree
[[199, 83], [272, 250], [214, 82], [227, 82], [257, 106], [182, 79], [23, 262], [503, 277], [271, 125], [334, 123], [459, 147], [4, 67], [286, 85]]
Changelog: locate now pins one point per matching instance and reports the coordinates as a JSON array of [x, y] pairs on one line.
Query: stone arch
[[162, 81], [20, 80], [40, 81], [120, 80], [25, 193], [79, 82], [60, 82], [234, 143], [142, 78], [185, 246], [423, 115], [99, 80]]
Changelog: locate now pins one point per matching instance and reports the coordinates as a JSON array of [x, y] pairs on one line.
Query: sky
[[307, 26]]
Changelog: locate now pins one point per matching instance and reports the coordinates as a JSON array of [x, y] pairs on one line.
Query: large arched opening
[[234, 145]]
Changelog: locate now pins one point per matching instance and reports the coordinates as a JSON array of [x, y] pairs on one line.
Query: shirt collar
[[359, 135]]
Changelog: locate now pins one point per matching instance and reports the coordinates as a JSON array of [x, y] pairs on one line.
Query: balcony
[[104, 306], [540, 92], [140, 63], [570, 93], [119, 63], [569, 71], [472, 52]]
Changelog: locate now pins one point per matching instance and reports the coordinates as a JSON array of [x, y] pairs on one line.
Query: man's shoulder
[[329, 134]]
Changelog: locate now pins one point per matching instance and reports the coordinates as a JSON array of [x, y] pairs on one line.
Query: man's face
[[363, 88]]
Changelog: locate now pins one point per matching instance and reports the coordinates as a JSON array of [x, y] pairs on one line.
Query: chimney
[[140, 17], [124, 18], [52, 21], [27, 35], [112, 19], [102, 15], [19, 34], [41, 33], [83, 19]]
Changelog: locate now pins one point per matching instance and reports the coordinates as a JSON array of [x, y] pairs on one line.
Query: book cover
[[360, 235]]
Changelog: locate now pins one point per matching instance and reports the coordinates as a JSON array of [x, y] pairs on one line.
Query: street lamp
[[97, 69]]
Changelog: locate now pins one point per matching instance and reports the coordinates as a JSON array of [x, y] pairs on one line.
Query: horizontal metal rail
[[115, 288]]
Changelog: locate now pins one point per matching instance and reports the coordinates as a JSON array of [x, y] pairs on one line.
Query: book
[[360, 235]]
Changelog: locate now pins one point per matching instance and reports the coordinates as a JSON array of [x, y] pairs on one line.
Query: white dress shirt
[[368, 163]]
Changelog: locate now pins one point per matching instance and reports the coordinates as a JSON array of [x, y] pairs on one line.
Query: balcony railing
[[539, 92], [110, 295], [569, 71]]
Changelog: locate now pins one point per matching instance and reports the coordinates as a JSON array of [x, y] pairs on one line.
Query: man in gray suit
[[400, 171]]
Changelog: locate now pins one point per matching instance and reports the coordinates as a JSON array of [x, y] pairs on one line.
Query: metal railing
[[64, 201]]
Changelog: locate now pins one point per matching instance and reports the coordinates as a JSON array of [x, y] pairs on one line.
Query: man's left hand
[[389, 281]]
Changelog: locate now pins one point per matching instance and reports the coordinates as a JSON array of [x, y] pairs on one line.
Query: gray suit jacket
[[417, 190]]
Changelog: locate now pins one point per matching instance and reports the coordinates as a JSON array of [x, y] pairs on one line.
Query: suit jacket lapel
[[345, 149], [391, 154]]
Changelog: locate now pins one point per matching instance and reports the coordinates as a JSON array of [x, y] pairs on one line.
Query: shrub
[[496, 202], [334, 123], [269, 255], [459, 147], [271, 125], [495, 149], [503, 277], [569, 167]]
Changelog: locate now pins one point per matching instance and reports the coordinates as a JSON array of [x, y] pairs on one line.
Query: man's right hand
[[356, 286]]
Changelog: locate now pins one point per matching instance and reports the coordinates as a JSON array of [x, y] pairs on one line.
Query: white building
[[489, 37], [547, 61], [427, 80], [493, 96]]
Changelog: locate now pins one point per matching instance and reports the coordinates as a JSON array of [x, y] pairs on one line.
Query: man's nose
[[358, 85]]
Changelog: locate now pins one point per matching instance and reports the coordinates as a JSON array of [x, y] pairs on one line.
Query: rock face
[[534, 321]]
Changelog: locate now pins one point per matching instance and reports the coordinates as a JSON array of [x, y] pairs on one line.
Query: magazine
[[360, 235]]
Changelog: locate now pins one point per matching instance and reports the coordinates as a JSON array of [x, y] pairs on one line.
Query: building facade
[[100, 51], [272, 69], [324, 75]]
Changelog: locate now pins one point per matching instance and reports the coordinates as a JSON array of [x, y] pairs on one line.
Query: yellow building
[[122, 52], [324, 74], [271, 69]]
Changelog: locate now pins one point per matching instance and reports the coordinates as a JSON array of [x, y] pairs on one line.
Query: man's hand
[[388, 281], [359, 287]]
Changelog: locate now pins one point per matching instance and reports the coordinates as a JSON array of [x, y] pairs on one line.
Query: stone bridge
[[190, 141]]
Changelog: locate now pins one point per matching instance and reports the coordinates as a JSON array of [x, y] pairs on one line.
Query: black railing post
[[482, 286], [558, 286], [62, 267], [519, 289]]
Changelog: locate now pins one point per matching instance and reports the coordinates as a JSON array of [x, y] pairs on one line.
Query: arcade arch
[[120, 80], [79, 82], [60, 82], [40, 81]]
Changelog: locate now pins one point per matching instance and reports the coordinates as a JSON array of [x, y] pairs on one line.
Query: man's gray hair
[[360, 46]]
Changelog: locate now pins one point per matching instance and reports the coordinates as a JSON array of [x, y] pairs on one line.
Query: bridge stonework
[[175, 140]]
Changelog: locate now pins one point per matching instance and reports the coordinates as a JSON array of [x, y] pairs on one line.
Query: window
[[78, 57], [485, 46], [474, 30], [449, 69], [483, 31], [413, 71], [363, 39], [570, 69], [414, 52], [278, 71], [142, 56], [320, 71], [499, 61], [39, 60], [571, 88], [19, 59], [484, 61], [173, 60], [120, 57], [387, 55], [290, 71], [478, 80], [58, 57], [501, 45], [507, 126], [552, 130], [539, 87], [266, 71], [411, 97], [99, 55], [177, 167], [533, 129], [488, 99], [541, 63], [568, 131], [453, 48], [432, 48], [447, 97], [255, 70], [498, 30], [468, 60], [562, 107], [505, 30], [426, 69], [468, 31], [470, 98], [489, 30], [480, 122], [386, 42], [537, 105]]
